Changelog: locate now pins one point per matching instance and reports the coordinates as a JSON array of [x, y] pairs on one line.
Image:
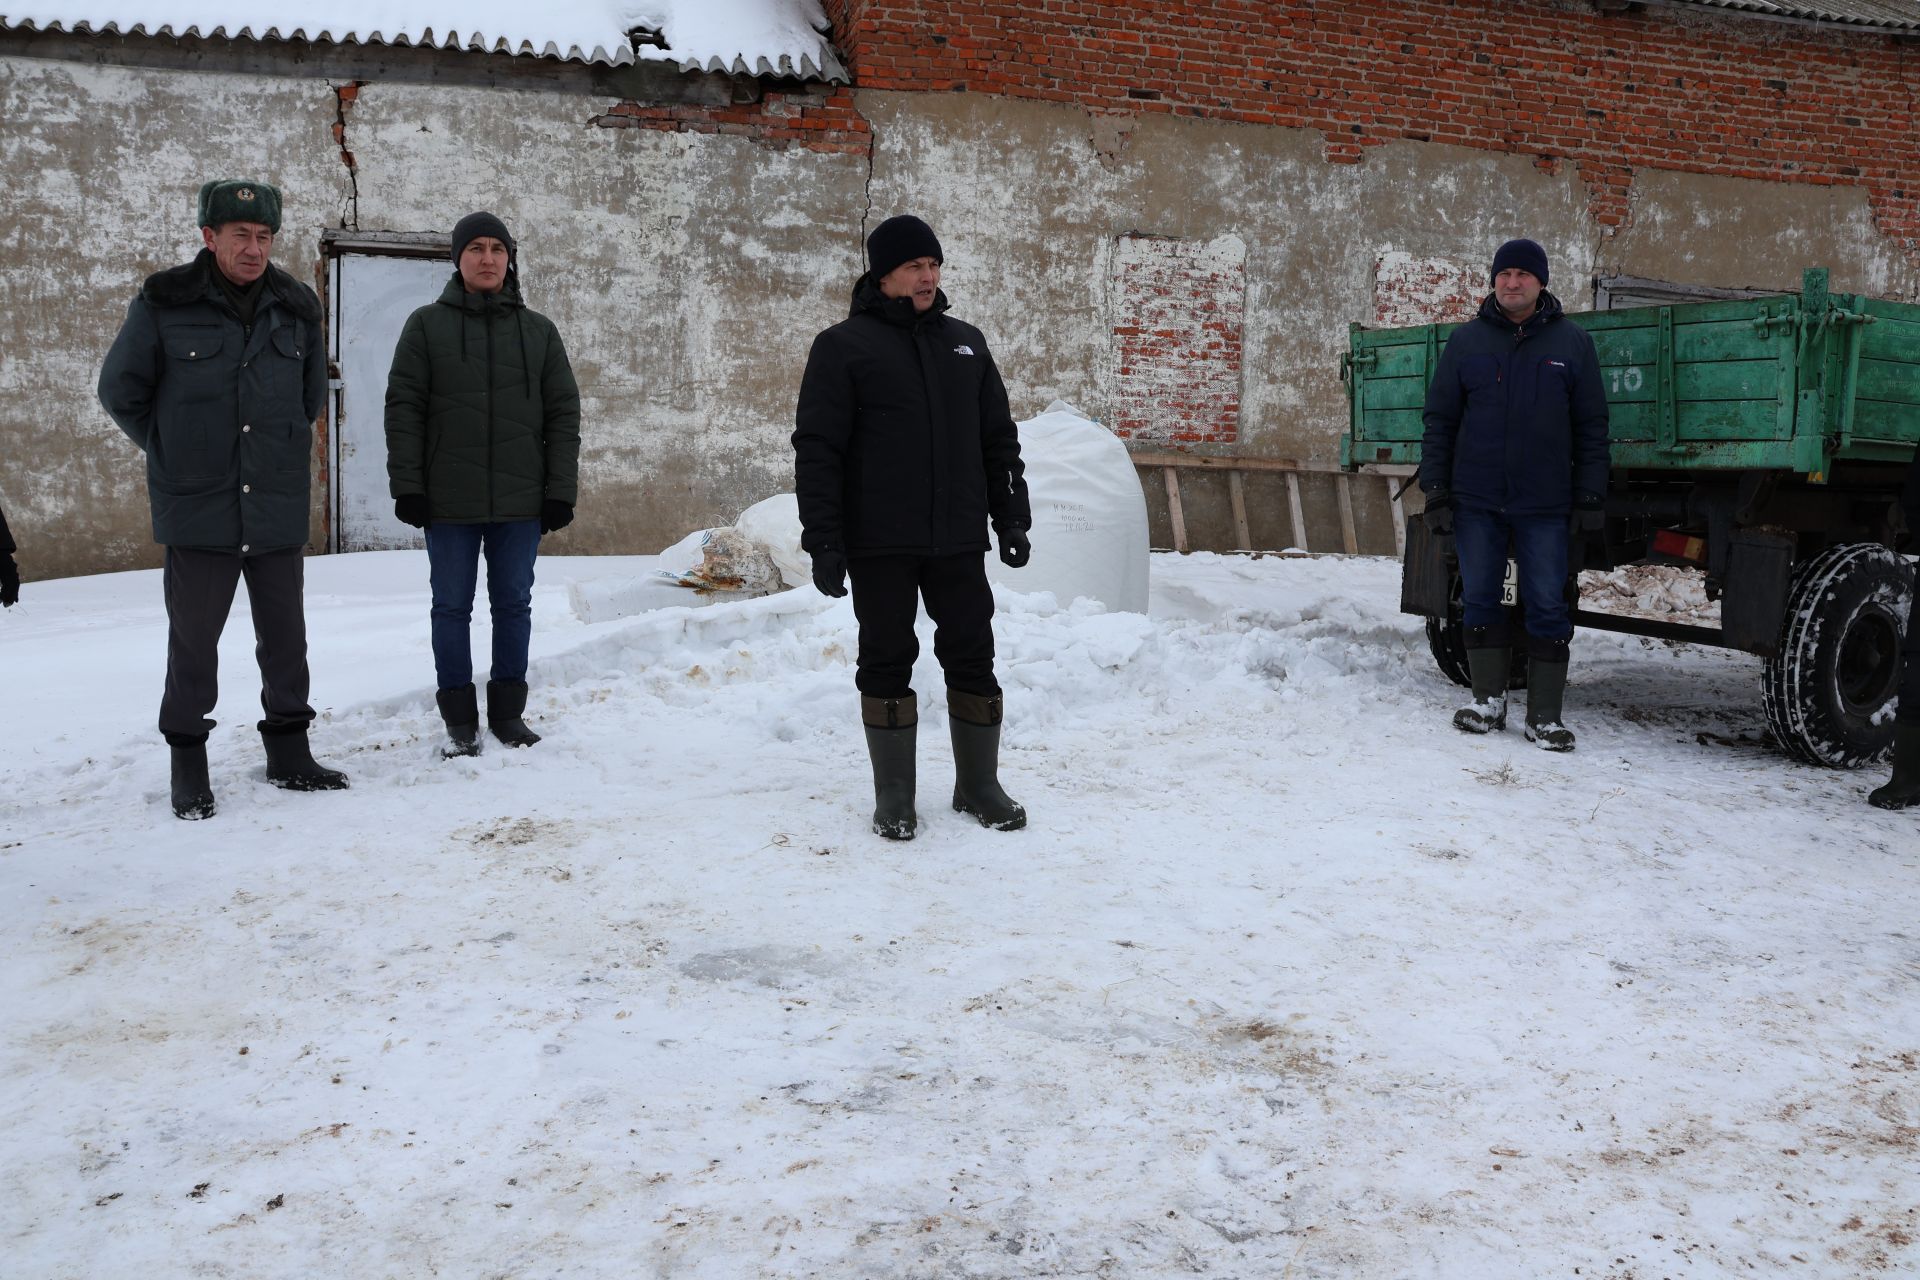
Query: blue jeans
[[453, 568], [1540, 548]]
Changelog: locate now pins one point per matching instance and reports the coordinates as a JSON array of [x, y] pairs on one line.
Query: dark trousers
[[1909, 706], [453, 570], [1539, 548], [887, 591], [199, 588]]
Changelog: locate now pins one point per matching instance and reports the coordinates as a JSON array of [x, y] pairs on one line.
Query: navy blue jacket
[[903, 441], [1516, 416]]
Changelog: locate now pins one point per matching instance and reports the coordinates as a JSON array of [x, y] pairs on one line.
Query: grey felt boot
[[291, 766], [506, 703], [460, 708], [1903, 789], [192, 792]]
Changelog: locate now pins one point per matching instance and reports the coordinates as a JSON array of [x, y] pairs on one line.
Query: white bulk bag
[[1089, 515]]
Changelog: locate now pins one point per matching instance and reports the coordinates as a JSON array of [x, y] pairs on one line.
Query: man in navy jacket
[[1515, 454], [904, 452]]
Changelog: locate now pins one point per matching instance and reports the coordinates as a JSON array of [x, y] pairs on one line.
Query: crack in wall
[[866, 211], [344, 96]]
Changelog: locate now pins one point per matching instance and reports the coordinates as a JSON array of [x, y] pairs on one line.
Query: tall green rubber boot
[[892, 725], [1546, 689], [975, 722], [1488, 713]]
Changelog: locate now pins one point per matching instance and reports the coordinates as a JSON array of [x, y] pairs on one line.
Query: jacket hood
[[1550, 310], [867, 297], [190, 282]]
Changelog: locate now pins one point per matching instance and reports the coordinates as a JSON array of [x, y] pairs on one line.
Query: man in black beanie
[[218, 375], [1515, 455], [904, 451], [483, 451]]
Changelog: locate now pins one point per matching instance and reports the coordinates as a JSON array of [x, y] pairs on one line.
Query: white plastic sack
[[706, 566], [1089, 514], [773, 525]]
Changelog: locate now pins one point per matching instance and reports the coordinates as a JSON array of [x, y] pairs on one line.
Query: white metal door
[[372, 297]]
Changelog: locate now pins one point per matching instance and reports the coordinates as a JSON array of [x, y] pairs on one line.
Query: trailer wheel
[[1447, 637], [1828, 694]]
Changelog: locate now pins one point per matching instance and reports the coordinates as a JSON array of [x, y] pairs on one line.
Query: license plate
[[1510, 589]]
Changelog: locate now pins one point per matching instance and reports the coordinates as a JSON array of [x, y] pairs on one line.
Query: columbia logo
[[963, 350]]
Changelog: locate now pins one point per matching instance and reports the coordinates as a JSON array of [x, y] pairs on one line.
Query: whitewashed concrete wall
[[689, 272]]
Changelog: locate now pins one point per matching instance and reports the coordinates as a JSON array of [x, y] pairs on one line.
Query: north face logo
[[963, 350]]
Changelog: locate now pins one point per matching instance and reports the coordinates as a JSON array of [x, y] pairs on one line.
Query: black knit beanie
[[475, 225], [900, 239], [1524, 254]]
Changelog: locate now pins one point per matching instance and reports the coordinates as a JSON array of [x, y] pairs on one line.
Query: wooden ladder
[[1172, 464]]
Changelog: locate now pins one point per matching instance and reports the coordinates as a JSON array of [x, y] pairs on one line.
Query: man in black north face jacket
[[1515, 445], [904, 451]]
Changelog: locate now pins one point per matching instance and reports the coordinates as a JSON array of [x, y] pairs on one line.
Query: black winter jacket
[[1516, 415], [903, 441], [225, 412], [483, 413]]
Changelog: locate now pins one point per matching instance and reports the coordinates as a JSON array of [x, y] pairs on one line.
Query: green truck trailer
[[1762, 442]]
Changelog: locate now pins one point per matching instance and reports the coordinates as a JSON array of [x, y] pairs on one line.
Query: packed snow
[[1285, 979]]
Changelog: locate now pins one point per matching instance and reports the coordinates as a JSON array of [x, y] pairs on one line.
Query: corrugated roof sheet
[[1898, 15], [785, 39]]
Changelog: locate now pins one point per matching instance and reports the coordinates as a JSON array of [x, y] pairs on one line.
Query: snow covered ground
[[1285, 980]]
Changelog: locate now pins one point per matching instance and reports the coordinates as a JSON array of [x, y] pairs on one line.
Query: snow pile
[[1285, 979], [1670, 593]]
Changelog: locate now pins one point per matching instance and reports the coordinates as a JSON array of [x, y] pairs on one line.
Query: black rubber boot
[[1488, 668], [1903, 789], [192, 792], [506, 703], [460, 708], [291, 766], [1546, 689], [892, 724], [975, 722]]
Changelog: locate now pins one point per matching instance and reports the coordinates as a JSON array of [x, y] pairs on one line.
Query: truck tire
[[1447, 637], [1829, 694]]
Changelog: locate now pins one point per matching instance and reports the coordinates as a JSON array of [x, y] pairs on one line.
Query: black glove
[[9, 580], [555, 515], [411, 508], [1589, 513], [1014, 548], [830, 571]]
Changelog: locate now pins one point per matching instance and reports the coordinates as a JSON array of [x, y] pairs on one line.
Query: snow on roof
[[1901, 15], [784, 38]]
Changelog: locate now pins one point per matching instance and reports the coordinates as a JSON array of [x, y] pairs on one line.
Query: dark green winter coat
[[483, 415], [224, 411]]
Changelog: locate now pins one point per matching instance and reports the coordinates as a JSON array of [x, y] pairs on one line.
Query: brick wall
[[816, 117], [1178, 307], [1658, 87]]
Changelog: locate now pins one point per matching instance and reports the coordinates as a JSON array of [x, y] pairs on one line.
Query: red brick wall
[[1179, 310], [818, 118], [1659, 88]]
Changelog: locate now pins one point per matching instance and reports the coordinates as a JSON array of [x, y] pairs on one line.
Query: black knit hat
[[237, 200], [900, 239], [1524, 254], [475, 225]]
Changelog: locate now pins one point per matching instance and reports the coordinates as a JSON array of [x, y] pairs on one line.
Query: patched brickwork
[[818, 118], [1649, 87], [1409, 290], [1178, 307]]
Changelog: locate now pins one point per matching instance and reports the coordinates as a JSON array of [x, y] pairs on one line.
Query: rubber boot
[[1546, 689], [1903, 789], [892, 724], [460, 708], [1488, 666], [192, 792], [975, 722], [291, 766], [506, 703]]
